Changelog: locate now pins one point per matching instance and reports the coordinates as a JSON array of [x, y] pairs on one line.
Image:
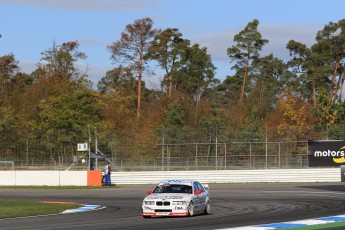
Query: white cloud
[[27, 67], [217, 44], [278, 36], [91, 42], [89, 5], [95, 73]]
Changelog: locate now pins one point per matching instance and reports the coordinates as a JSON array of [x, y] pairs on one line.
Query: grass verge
[[15, 208]]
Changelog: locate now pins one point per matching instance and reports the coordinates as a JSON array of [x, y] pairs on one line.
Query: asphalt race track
[[233, 205]]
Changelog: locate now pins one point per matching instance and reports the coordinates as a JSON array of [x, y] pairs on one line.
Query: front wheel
[[207, 210], [191, 209]]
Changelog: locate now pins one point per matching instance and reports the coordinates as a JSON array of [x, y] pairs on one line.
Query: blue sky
[[29, 27]]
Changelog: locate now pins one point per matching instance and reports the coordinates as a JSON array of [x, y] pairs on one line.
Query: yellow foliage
[[293, 112]]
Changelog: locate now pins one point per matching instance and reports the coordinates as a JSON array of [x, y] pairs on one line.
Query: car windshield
[[173, 188]]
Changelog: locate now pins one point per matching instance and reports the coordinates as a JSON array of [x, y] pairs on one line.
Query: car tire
[[207, 210], [191, 209], [147, 217]]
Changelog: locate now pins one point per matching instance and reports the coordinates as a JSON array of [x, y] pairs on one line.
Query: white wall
[[50, 178], [79, 178], [40, 178], [7, 178]]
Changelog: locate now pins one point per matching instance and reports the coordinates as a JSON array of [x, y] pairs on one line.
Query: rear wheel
[[147, 217], [191, 209], [207, 210]]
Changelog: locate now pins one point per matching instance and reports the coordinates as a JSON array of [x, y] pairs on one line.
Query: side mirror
[[149, 192], [197, 192]]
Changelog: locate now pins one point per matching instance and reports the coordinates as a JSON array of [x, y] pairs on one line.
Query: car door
[[203, 196], [196, 198]]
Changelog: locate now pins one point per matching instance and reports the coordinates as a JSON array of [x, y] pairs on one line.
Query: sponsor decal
[[164, 197], [326, 153], [338, 156], [163, 213], [175, 181]]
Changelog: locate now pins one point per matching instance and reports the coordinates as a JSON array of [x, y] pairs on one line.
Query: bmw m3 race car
[[177, 198]]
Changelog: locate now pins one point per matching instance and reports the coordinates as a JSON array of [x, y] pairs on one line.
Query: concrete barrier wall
[[80, 178], [7, 178], [36, 178], [77, 178], [41, 178]]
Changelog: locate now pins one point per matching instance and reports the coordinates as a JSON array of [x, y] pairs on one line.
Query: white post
[[250, 154], [216, 148], [225, 154], [96, 149], [196, 156], [163, 155], [266, 148], [89, 162]]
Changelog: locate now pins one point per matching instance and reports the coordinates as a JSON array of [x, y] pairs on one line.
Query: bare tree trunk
[[244, 81], [140, 73], [333, 90], [139, 96], [342, 85]]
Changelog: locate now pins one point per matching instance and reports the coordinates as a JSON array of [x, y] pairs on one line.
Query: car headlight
[[149, 202], [179, 202]]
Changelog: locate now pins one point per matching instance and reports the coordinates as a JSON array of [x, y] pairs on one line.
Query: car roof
[[177, 181]]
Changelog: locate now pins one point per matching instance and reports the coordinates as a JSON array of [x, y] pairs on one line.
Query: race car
[[177, 198]]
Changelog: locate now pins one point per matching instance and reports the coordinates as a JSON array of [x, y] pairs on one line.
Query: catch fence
[[222, 156], [174, 157], [164, 148]]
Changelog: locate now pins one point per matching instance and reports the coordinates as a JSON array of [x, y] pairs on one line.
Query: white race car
[[177, 198]]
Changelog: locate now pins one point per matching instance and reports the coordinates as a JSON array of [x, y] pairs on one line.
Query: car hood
[[169, 196]]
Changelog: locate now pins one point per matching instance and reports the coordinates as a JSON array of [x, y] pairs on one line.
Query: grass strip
[[16, 208], [319, 226]]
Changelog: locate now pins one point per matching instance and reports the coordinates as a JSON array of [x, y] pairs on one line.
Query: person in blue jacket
[[107, 173]]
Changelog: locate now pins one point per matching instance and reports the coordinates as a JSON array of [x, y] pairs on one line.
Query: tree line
[[56, 103]]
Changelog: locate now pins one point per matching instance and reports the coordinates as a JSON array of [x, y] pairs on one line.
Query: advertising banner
[[326, 153]]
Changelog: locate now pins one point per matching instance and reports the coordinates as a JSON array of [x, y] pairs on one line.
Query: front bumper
[[164, 214], [173, 210]]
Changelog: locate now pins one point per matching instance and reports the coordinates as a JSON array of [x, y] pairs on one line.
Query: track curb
[[293, 224], [84, 208]]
